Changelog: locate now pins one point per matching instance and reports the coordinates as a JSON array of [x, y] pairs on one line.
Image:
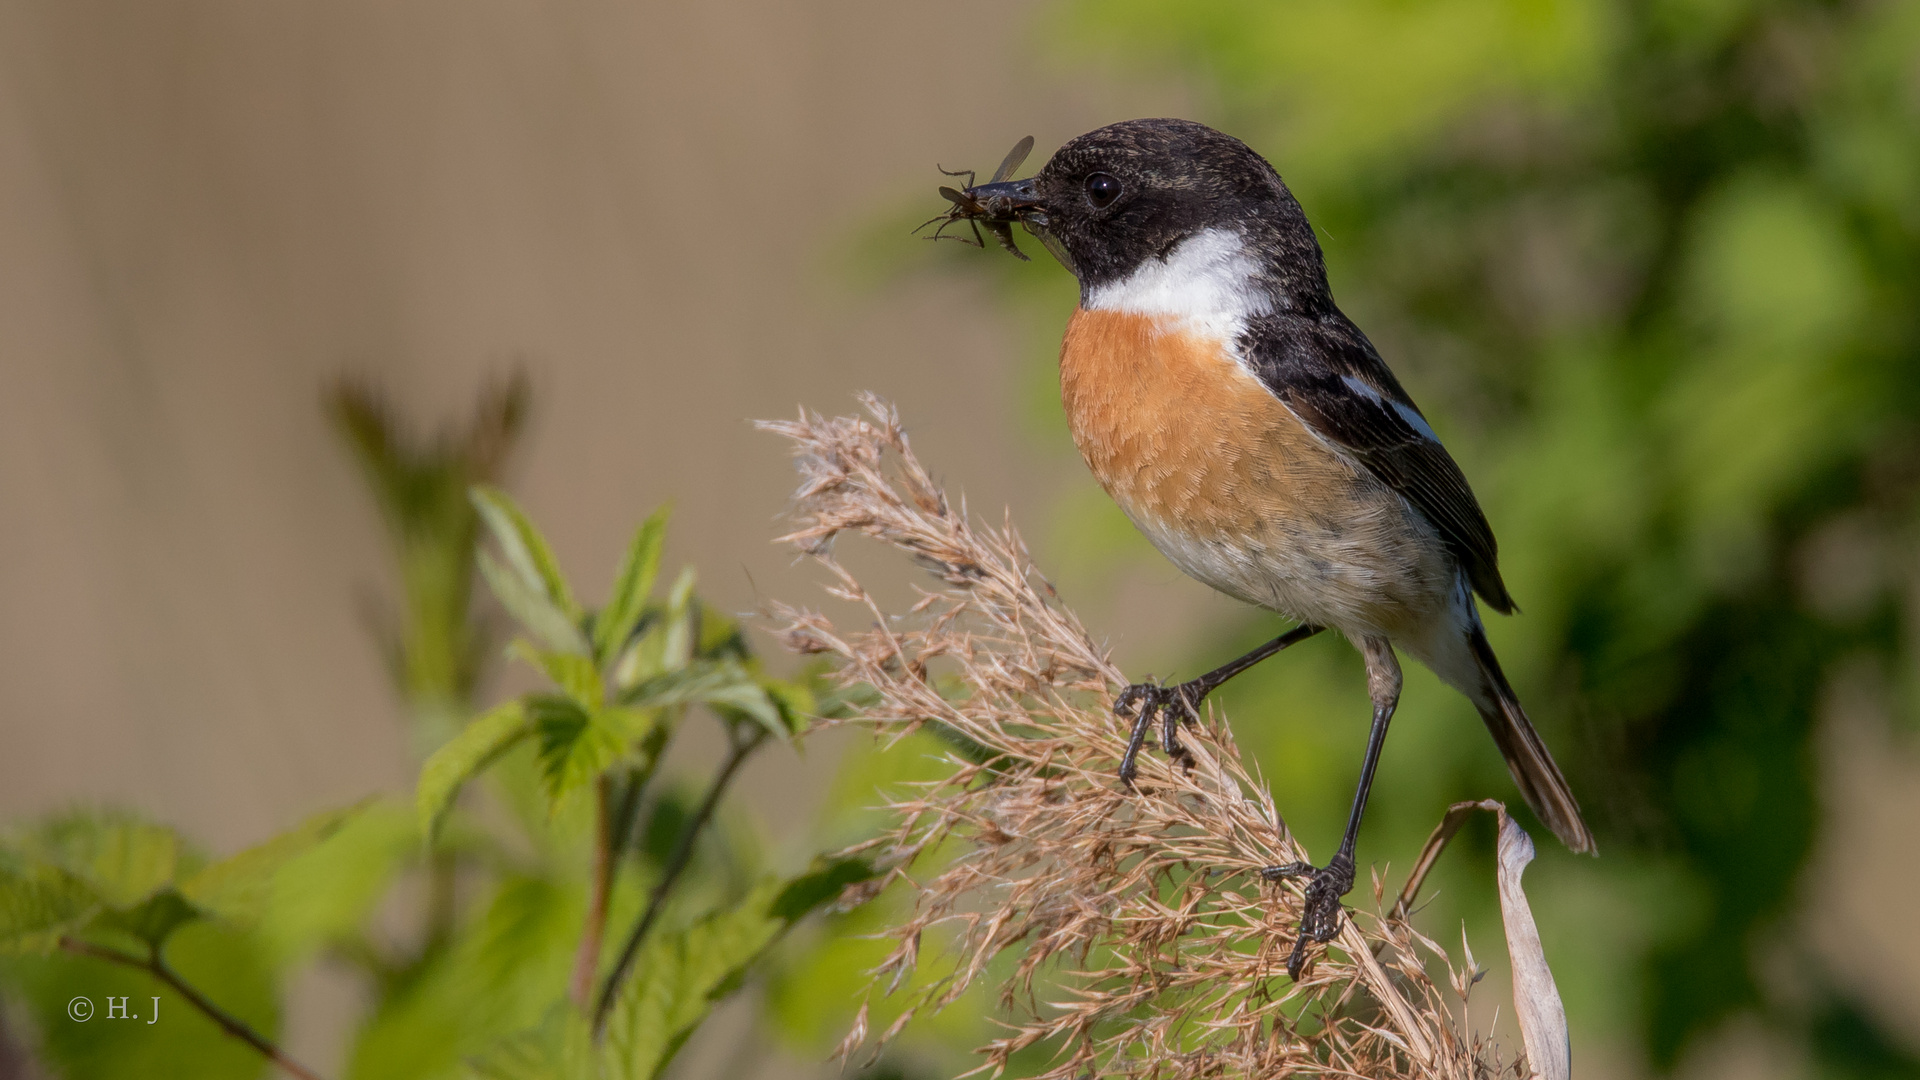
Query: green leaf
[[154, 919], [122, 859], [40, 903], [477, 746], [631, 725], [809, 891], [220, 961], [796, 704], [120, 875], [327, 894], [670, 642], [237, 888], [573, 747], [561, 1048], [752, 701], [678, 642], [680, 976], [526, 550], [719, 636], [631, 587], [531, 608], [573, 673], [678, 980], [121, 870], [724, 684], [508, 963]]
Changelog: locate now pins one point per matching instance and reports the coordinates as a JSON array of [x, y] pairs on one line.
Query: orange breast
[[1184, 437]]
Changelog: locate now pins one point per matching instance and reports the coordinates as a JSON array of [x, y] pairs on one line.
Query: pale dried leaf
[[1543, 1021]]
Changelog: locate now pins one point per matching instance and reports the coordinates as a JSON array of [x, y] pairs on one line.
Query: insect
[[995, 210]]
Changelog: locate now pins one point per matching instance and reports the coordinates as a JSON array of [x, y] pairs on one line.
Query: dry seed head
[[1133, 934]]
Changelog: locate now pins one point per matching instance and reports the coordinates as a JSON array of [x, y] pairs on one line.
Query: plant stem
[[443, 869], [157, 967], [676, 865], [616, 817], [586, 963]]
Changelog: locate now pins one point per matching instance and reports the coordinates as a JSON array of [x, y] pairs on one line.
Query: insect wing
[[1015, 157]]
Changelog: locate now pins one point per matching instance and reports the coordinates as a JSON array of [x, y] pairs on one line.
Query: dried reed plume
[[1140, 937]]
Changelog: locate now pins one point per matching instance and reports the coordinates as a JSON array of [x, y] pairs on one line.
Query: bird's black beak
[[1011, 200]]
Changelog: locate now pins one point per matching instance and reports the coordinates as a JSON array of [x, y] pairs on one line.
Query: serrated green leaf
[[509, 962], [326, 894], [573, 673], [122, 859], [154, 919], [751, 700], [530, 608], [477, 746], [237, 888], [526, 550], [573, 748], [561, 1048], [40, 903], [631, 587], [679, 638], [670, 642], [638, 663], [678, 979], [705, 681], [219, 961], [631, 725], [724, 684]]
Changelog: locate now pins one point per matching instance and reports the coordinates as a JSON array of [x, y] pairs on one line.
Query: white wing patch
[[1413, 419], [1208, 283]]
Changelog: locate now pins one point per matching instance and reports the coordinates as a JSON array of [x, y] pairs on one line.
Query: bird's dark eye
[[1102, 189]]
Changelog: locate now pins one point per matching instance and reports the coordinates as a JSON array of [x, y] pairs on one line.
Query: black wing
[[1328, 373]]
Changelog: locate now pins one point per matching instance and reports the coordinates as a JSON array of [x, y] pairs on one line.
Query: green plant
[[587, 932], [114, 889], [621, 679]]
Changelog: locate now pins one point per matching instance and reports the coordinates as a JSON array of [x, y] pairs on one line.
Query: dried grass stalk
[[1133, 933]]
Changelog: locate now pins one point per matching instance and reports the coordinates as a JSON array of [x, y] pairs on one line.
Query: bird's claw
[[1320, 908], [1172, 704]]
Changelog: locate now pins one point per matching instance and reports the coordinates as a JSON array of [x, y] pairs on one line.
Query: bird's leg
[[1320, 909], [1182, 700]]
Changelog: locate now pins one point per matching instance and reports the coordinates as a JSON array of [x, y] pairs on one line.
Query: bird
[[1257, 438]]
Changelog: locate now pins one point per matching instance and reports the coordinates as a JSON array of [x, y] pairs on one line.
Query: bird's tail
[[1527, 757]]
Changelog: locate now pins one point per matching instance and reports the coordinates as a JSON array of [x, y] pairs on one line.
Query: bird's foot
[[1172, 704], [1320, 913]]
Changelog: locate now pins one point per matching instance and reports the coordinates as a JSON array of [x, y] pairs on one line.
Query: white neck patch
[[1208, 283]]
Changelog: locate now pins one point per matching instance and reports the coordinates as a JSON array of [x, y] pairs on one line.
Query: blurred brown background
[[211, 210]]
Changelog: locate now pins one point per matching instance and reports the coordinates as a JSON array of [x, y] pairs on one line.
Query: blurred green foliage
[[141, 901], [585, 925], [434, 650], [223, 962], [1653, 269]]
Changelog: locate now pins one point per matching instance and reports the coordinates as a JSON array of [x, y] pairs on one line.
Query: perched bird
[[1256, 437]]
